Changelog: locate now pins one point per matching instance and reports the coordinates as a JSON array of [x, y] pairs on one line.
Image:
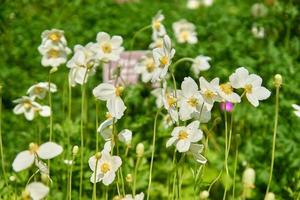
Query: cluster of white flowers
[[53, 48], [29, 107]]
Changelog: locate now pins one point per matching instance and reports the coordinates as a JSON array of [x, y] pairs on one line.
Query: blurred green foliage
[[224, 33]]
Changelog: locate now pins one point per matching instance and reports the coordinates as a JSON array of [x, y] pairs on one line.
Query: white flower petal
[[37, 190], [49, 150], [23, 160], [104, 91]]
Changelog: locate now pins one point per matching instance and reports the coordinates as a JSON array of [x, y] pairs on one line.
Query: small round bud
[[45, 177], [140, 150], [12, 178], [249, 178], [75, 150], [204, 194], [117, 198], [98, 155], [129, 178], [277, 80], [25, 194], [270, 196]]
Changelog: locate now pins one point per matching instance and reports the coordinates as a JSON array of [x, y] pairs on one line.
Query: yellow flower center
[[106, 47], [157, 25], [150, 66], [38, 90], [209, 94], [184, 35], [119, 90], [52, 53], [108, 115], [226, 88], [192, 101], [248, 88], [105, 168], [27, 105], [171, 100], [183, 135], [163, 60], [33, 147], [55, 37], [25, 195]]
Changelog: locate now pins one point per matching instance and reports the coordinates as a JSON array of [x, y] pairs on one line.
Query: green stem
[[97, 124], [1, 144], [51, 108], [70, 101], [135, 175], [235, 167], [152, 153], [137, 33], [70, 178], [180, 61], [226, 155], [274, 138], [174, 176]]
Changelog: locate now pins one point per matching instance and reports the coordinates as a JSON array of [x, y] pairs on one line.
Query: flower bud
[[12, 178], [270, 196], [249, 178], [98, 155], [45, 178], [140, 150], [75, 150], [129, 178], [117, 198], [277, 80], [204, 194], [25, 194]]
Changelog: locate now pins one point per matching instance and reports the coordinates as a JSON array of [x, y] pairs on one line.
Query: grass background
[[224, 33]]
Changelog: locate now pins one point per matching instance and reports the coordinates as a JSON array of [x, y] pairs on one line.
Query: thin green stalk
[[135, 175], [70, 178], [137, 33], [51, 108], [274, 138], [1, 144], [182, 60], [97, 124], [70, 101], [226, 155], [106, 193], [152, 153], [174, 176], [235, 167]]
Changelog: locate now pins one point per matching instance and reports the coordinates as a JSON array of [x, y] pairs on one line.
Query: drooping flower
[[196, 150], [251, 85], [106, 169], [30, 108], [190, 99], [146, 67], [111, 94], [157, 43], [249, 178], [158, 28], [35, 191], [82, 65], [209, 91], [270, 196], [185, 32], [40, 90], [183, 137], [125, 136], [201, 63], [108, 48], [45, 151], [297, 110], [170, 102], [162, 59]]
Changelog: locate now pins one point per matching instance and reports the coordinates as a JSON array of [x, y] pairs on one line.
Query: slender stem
[[95, 184], [214, 181], [70, 101], [51, 108], [226, 155], [235, 167], [274, 138], [174, 176], [1, 144], [135, 175], [152, 153], [137, 33], [97, 124], [106, 193], [31, 177], [81, 133], [70, 178], [182, 60]]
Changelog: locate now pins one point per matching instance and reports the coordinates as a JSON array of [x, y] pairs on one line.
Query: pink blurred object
[[126, 63], [226, 106]]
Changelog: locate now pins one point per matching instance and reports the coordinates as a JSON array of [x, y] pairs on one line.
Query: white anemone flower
[[136, 197], [106, 169], [297, 110], [157, 43], [82, 65], [190, 99], [209, 91], [125, 136], [53, 37], [185, 32], [45, 151], [201, 63], [158, 28], [30, 108], [146, 67], [53, 56], [196, 150], [111, 94], [183, 137], [162, 59], [258, 31], [225, 91], [35, 191], [251, 85], [40, 90], [108, 48], [169, 100], [193, 4]]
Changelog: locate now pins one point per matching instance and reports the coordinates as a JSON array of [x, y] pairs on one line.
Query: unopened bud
[[140, 150], [75, 150], [270, 196], [249, 178], [98, 155], [129, 178], [278, 80], [117, 198], [204, 194], [45, 178], [53, 70], [12, 178]]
